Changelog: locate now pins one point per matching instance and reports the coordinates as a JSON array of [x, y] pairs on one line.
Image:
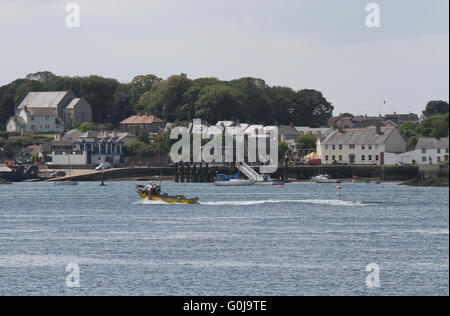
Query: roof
[[366, 136], [41, 111], [73, 134], [321, 130], [142, 119], [432, 143], [73, 103], [43, 99], [287, 130]]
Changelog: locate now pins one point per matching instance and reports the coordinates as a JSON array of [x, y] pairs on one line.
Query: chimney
[[341, 128], [378, 126]]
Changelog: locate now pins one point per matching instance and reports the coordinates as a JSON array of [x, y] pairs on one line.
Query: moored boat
[[324, 178], [152, 192]]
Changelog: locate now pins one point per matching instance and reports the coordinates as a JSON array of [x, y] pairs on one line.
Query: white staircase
[[249, 172]]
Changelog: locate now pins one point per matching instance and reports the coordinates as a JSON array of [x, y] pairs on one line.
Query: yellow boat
[[152, 192]]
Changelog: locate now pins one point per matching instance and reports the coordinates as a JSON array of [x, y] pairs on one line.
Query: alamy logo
[[373, 279], [73, 18], [73, 278], [256, 144], [373, 19]]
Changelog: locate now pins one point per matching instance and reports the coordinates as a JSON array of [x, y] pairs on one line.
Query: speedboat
[[223, 180], [324, 178], [152, 192], [234, 183]]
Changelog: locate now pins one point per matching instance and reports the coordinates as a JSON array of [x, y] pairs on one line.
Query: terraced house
[[366, 146]]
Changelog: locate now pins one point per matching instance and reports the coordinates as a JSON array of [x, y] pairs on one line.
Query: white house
[[35, 120], [49, 112], [366, 146], [428, 151]]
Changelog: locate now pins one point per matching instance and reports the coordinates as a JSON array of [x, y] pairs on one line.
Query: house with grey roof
[[49, 112], [428, 151], [366, 146]]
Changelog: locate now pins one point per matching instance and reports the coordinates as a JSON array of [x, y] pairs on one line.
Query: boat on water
[[152, 192], [324, 178], [223, 180], [266, 180]]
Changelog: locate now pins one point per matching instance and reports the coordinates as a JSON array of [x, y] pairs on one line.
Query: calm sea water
[[303, 239]]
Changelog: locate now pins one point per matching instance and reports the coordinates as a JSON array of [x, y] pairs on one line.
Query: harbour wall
[[206, 174]]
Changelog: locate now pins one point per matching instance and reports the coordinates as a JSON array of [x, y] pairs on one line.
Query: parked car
[[104, 165], [314, 162], [57, 174], [339, 162], [402, 164]]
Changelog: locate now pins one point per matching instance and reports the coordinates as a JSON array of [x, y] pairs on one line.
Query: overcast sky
[[315, 44]]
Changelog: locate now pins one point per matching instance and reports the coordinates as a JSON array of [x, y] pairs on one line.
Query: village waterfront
[[300, 239]]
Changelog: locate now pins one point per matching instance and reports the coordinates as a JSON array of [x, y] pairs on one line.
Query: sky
[[303, 44]]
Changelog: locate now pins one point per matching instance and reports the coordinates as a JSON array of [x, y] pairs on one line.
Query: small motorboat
[[324, 178], [223, 180], [266, 180], [152, 192], [234, 183]]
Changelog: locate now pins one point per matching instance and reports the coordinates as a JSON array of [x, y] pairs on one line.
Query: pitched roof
[[366, 136], [41, 111], [73, 103], [142, 119], [432, 143], [43, 99]]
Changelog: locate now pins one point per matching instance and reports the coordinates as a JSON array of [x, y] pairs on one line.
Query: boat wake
[[317, 201]]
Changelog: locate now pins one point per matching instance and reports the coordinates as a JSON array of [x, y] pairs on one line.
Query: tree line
[[178, 98]]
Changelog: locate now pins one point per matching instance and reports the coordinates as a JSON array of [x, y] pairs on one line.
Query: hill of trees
[[178, 98]]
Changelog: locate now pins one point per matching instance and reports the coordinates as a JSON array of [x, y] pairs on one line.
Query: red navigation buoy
[[338, 187]]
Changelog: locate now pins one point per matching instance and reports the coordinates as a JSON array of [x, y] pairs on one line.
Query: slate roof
[[432, 143], [43, 99], [364, 136]]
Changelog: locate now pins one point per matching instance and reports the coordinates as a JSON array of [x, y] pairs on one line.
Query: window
[[377, 158], [370, 157], [333, 158], [446, 151], [439, 159], [334, 147], [363, 158], [363, 147], [32, 118], [340, 158], [376, 147], [340, 147], [326, 147], [424, 151], [33, 127], [438, 151], [327, 158], [352, 146], [424, 159], [370, 147], [47, 118]]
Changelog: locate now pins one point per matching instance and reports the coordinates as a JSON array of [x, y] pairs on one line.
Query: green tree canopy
[[436, 108], [306, 142]]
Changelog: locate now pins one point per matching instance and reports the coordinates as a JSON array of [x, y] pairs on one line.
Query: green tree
[[436, 108], [217, 102], [408, 129], [306, 142], [86, 126]]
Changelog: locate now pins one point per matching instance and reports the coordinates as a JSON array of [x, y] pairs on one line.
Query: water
[[304, 239]]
